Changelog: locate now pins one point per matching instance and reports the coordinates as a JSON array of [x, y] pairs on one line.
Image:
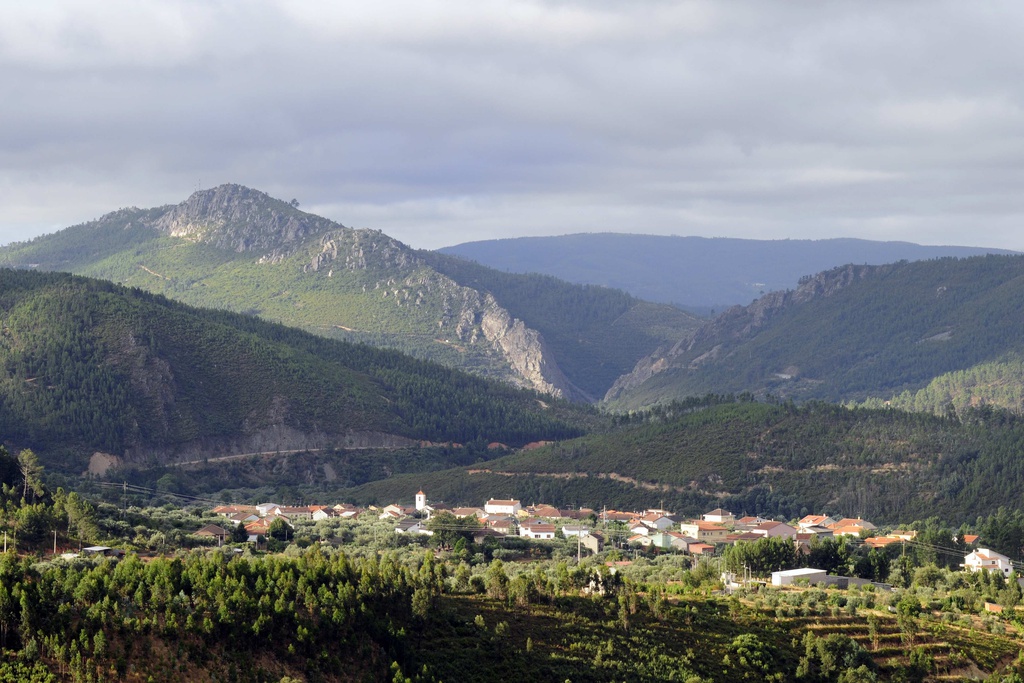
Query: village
[[594, 531]]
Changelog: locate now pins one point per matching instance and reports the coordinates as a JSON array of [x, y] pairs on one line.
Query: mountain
[[89, 366], [238, 249], [774, 459], [847, 334], [695, 272]]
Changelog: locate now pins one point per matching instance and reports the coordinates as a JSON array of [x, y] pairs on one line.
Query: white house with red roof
[[815, 520], [988, 560]]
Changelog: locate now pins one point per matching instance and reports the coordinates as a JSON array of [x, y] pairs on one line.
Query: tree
[[239, 534], [279, 530], [31, 474], [449, 529]]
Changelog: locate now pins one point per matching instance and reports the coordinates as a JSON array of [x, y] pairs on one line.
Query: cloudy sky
[[454, 120]]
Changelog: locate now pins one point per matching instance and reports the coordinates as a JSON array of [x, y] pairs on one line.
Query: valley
[[231, 350]]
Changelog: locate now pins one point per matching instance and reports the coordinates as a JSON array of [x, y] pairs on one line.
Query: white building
[[421, 500], [790, 576], [536, 529], [719, 516], [502, 507], [989, 560]]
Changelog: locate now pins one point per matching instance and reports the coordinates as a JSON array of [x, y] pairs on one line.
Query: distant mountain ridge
[[236, 248], [697, 272]]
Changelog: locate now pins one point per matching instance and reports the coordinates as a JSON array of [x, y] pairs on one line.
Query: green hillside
[[88, 365], [765, 458], [849, 334], [238, 249]]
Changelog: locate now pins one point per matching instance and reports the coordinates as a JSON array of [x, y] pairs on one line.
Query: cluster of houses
[[654, 528], [257, 518]]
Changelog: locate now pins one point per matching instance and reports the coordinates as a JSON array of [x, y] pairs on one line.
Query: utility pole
[[54, 541], [579, 545]]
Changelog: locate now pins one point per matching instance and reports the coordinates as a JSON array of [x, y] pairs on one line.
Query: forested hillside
[[238, 249], [773, 459], [91, 366], [848, 334]]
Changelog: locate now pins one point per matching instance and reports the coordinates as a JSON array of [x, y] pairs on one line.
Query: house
[[263, 509], [242, 517], [819, 531], [257, 529], [483, 534], [326, 513], [293, 512], [881, 541], [213, 531], [850, 527], [546, 511], [575, 530], [672, 540], [638, 527], [774, 530], [502, 507], [501, 523], [657, 521], [469, 512], [617, 516], [592, 542], [709, 532], [815, 520], [639, 539], [701, 549], [989, 560], [395, 511], [536, 529], [719, 516], [851, 530], [749, 522], [413, 526], [971, 539]]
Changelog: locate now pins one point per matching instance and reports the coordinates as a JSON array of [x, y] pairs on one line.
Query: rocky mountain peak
[[241, 219]]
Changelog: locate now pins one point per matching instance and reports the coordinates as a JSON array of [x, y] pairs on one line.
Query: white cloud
[[445, 121]]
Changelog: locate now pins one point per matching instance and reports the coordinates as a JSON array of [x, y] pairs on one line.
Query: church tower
[[421, 501]]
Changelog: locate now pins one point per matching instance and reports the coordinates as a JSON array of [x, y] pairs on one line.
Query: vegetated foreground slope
[[847, 334], [756, 458], [331, 617], [238, 249], [696, 272], [91, 366]]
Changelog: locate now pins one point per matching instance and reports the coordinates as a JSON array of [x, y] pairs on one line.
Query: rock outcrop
[[248, 221]]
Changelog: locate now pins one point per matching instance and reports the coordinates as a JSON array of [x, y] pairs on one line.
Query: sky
[[445, 121]]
